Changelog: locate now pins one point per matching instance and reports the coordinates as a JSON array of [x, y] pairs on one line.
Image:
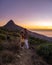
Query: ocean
[[46, 33]]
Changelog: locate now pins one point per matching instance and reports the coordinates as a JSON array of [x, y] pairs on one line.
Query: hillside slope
[[12, 54], [11, 26], [28, 57]]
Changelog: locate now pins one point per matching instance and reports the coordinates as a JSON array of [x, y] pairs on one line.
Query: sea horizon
[[43, 32]]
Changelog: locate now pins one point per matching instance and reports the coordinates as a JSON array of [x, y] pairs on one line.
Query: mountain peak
[[11, 26], [10, 22]]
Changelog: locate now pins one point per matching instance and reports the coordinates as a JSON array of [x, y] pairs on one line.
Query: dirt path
[[29, 57], [26, 57]]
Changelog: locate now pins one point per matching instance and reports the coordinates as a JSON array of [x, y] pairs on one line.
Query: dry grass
[[6, 57], [8, 51]]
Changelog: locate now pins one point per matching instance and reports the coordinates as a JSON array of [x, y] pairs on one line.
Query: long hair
[[25, 33], [22, 34]]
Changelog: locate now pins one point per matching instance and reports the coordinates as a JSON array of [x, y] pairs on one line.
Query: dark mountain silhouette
[[11, 26]]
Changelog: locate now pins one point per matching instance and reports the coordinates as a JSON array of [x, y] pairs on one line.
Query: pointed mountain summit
[[11, 22], [11, 26]]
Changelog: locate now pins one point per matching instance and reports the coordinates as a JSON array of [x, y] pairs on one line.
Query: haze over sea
[[43, 32]]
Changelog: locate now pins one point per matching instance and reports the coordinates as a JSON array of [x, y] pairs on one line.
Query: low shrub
[[12, 46], [7, 57], [2, 36], [37, 41], [1, 47], [46, 52]]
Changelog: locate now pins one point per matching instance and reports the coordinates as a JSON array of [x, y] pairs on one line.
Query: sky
[[31, 14]]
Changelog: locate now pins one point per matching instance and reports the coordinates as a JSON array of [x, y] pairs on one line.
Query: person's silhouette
[[24, 38]]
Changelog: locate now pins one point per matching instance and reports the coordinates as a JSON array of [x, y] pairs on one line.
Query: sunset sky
[[32, 14]]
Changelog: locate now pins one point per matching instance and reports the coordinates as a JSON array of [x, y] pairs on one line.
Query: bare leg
[[26, 44]]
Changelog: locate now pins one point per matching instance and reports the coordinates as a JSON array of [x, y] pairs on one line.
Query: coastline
[[43, 32]]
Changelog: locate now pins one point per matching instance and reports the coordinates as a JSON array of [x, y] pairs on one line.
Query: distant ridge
[[11, 26], [40, 36]]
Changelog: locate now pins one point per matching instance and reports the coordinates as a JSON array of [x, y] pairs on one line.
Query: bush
[[1, 47], [7, 57], [46, 52], [33, 40], [2, 36], [2, 31], [12, 46]]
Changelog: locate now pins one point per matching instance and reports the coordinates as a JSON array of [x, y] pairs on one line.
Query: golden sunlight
[[36, 27], [46, 24]]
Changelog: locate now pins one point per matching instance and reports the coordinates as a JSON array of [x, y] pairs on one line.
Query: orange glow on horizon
[[29, 26], [36, 27]]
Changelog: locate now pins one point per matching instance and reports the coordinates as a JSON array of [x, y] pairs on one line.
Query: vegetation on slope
[[43, 48], [46, 52], [8, 47]]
